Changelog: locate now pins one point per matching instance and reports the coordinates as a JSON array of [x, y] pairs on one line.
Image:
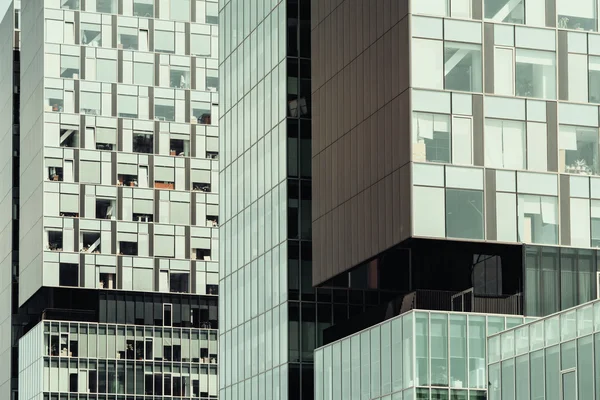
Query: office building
[[271, 316], [115, 202], [455, 163], [557, 357]]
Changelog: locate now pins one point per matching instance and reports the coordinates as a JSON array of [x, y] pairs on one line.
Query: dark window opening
[[108, 281], [143, 142], [127, 180], [212, 289], [105, 208], [90, 242], [201, 186], [213, 220], [55, 174], [201, 254], [167, 315], [68, 275], [179, 282], [143, 217], [179, 147], [128, 248], [55, 240], [213, 155]]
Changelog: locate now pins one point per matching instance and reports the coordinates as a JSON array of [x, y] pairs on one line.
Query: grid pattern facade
[[97, 361], [119, 164], [253, 261], [418, 355], [120, 153], [557, 357], [489, 126]]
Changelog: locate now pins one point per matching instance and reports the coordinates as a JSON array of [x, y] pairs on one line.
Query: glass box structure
[[554, 358], [419, 355]]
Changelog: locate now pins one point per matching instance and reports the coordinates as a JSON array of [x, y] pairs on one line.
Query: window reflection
[[431, 137], [579, 15], [69, 66], [462, 66], [143, 8], [511, 11], [535, 74], [578, 150], [91, 34], [537, 219]]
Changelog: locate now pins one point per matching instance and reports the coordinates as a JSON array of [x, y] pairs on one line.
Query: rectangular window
[[431, 137], [200, 45], [535, 74], [462, 66], [594, 79], [504, 71], [143, 74], [89, 103], [580, 15], [127, 106], [537, 146], [578, 150], [511, 11], [164, 41], [464, 214], [127, 38], [505, 144], [91, 34], [106, 70], [427, 63], [180, 10], [537, 219], [69, 66], [143, 8]]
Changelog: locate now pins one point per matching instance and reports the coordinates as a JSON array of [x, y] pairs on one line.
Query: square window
[[464, 213]]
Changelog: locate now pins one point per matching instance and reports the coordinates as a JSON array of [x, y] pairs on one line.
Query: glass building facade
[[554, 358], [119, 176], [419, 355]]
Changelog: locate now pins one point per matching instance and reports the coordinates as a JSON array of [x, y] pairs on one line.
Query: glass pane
[[431, 137], [421, 348], [439, 349], [458, 351], [508, 380], [578, 150], [464, 213], [535, 74], [552, 373], [537, 375], [580, 15], [568, 355], [585, 372], [537, 219], [522, 378], [569, 385], [505, 144], [510, 11], [462, 66], [407, 351], [494, 382], [477, 342], [428, 64], [397, 354]]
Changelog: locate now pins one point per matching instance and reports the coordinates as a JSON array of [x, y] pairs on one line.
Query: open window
[[107, 280], [201, 186], [105, 208], [106, 138], [55, 240], [167, 314], [212, 155], [179, 282], [128, 248], [69, 137], [201, 112], [143, 217], [212, 289], [143, 142], [201, 254], [164, 185], [179, 147], [128, 180], [55, 174], [90, 242], [68, 274], [212, 220]]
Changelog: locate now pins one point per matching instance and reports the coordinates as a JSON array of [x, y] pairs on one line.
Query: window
[[578, 150], [54, 100], [212, 13], [504, 144], [579, 15], [55, 240], [128, 248], [431, 137], [179, 77], [103, 6], [143, 142], [201, 112], [179, 282], [91, 34], [462, 66], [128, 38], [180, 10], [106, 138], [69, 66], [537, 219], [212, 80], [54, 31], [462, 140], [143, 8], [464, 213], [164, 109], [511, 11], [594, 79], [200, 45], [164, 41], [578, 77], [127, 106], [68, 275], [105, 208], [106, 70], [433, 7], [535, 74], [70, 4], [69, 137], [89, 103], [143, 74]]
